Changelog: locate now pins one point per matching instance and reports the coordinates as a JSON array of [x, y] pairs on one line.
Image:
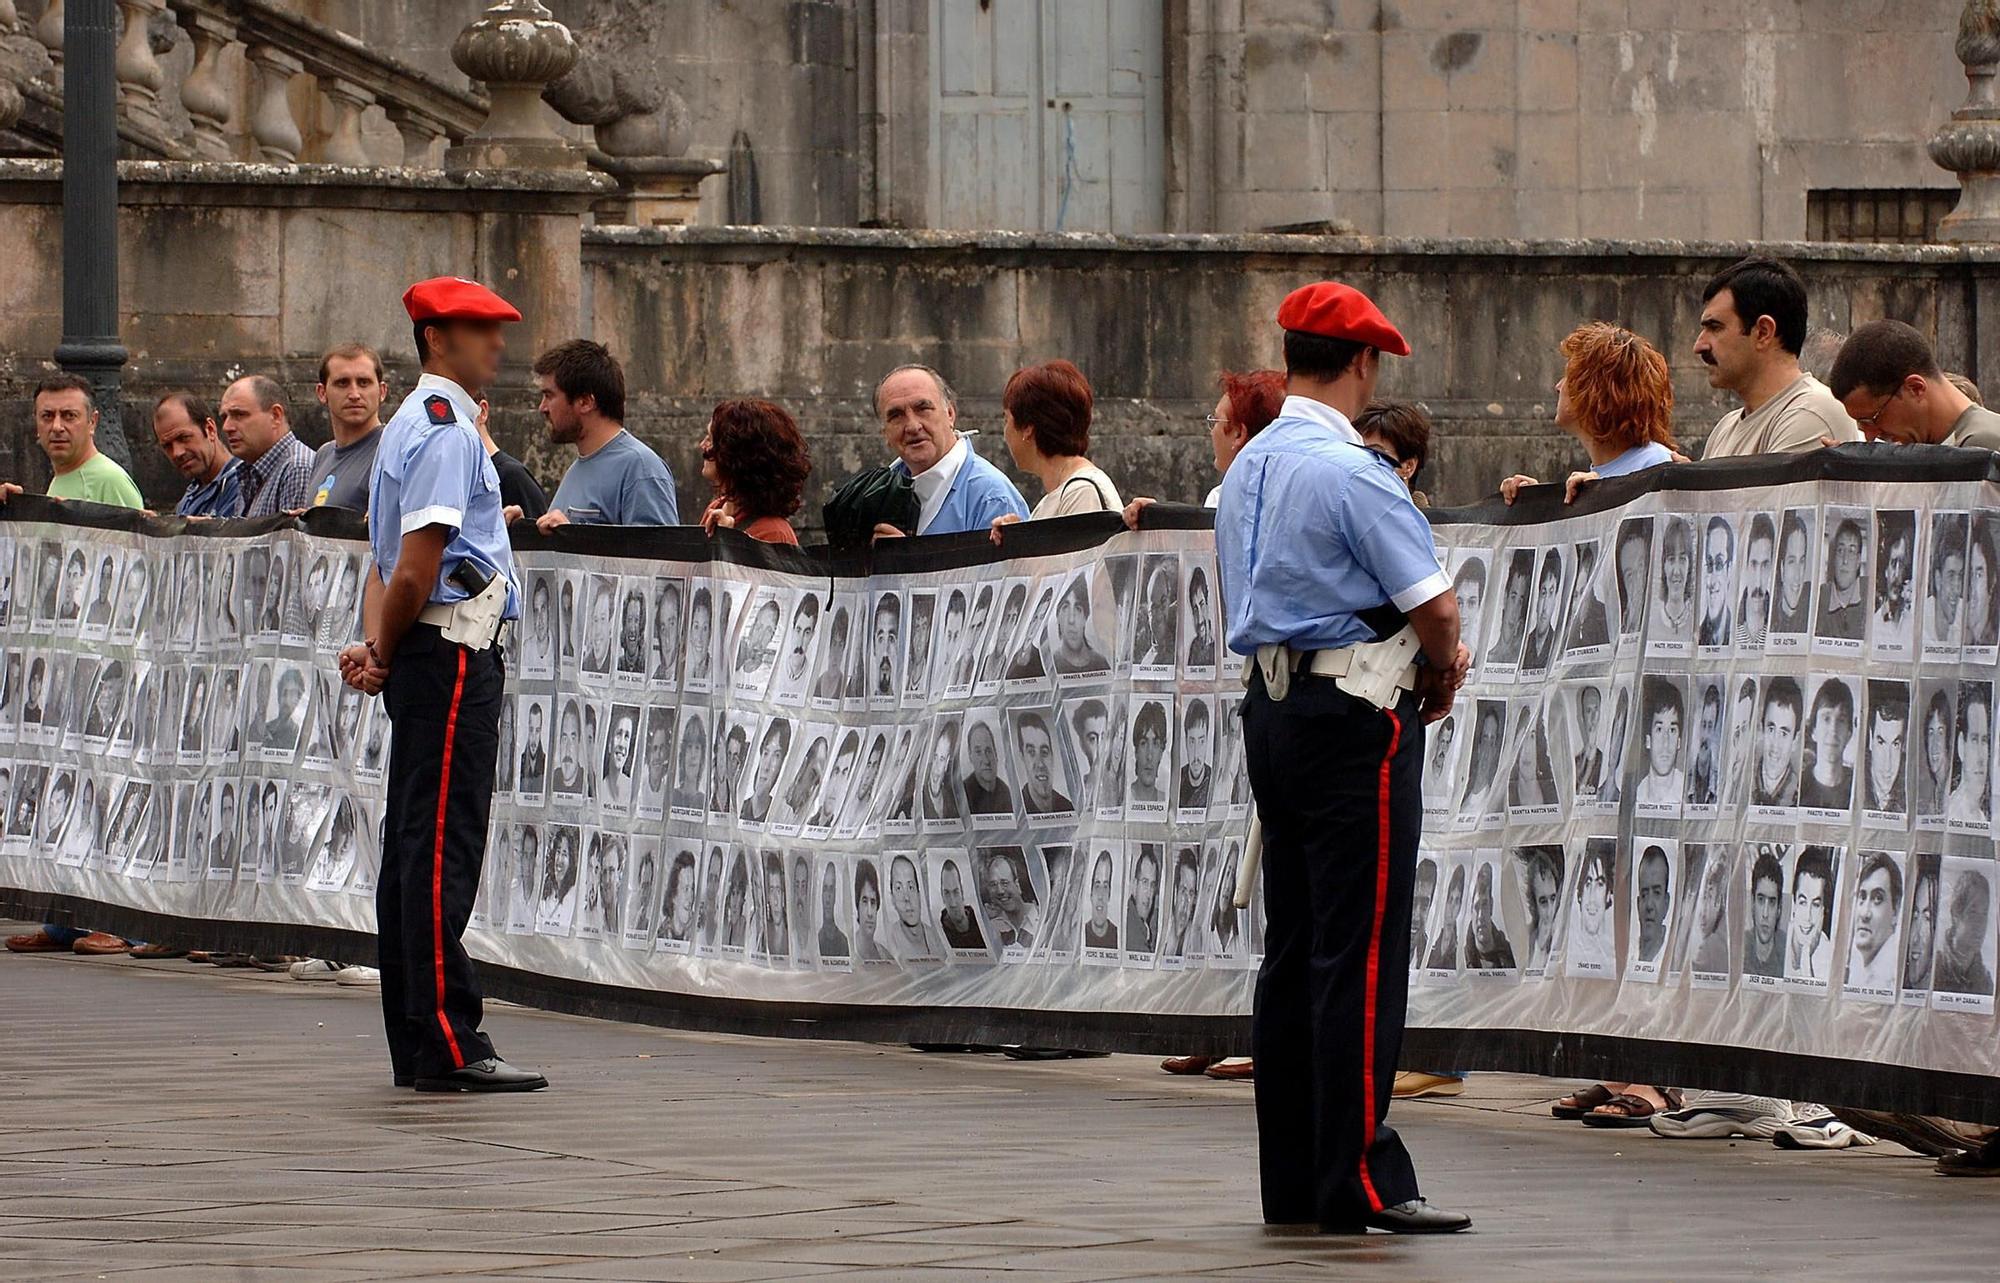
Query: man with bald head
[[956, 489], [276, 474]]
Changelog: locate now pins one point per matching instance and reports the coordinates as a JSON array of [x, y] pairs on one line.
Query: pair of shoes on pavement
[[95, 944], [1722, 1115]]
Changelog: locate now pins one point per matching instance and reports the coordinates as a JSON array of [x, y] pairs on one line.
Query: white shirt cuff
[[1422, 591], [435, 515]]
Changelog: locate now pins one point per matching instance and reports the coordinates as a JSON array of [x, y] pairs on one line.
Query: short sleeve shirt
[[623, 484], [98, 480], [1791, 422], [431, 469], [341, 473]]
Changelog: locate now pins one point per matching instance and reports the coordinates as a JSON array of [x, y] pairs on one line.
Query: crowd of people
[[1884, 383]]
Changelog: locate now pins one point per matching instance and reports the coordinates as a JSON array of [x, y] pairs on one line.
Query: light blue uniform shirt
[[1637, 459], [623, 484], [1312, 529], [429, 473]]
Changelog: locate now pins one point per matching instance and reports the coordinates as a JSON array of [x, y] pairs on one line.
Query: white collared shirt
[[934, 483], [1304, 407]]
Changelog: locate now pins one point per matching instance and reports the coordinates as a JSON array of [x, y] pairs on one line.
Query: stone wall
[[811, 318]]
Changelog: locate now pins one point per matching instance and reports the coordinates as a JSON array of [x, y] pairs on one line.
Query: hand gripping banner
[[1714, 808]]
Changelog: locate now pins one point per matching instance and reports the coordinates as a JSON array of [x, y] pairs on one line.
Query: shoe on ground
[[35, 942], [277, 962], [1413, 1217], [1413, 1084], [100, 944], [1983, 1161], [1815, 1127], [147, 951], [314, 969], [230, 959], [1050, 1053], [357, 976], [955, 1048], [491, 1074], [1187, 1064], [1236, 1069], [1722, 1115]]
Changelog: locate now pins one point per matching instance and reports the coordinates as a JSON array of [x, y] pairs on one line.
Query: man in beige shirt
[[1888, 378], [1753, 323]]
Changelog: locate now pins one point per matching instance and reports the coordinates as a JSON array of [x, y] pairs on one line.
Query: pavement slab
[[165, 1121]]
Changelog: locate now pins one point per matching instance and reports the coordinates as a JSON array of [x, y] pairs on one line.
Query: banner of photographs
[[1750, 745], [1035, 762]]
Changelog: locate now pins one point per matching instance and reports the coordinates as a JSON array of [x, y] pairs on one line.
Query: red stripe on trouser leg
[[1375, 960], [437, 865]]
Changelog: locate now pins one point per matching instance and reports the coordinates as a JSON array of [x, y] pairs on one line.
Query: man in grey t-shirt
[[351, 388], [1888, 378], [616, 480]]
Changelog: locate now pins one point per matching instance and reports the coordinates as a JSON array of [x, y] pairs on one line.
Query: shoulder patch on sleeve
[[439, 410]]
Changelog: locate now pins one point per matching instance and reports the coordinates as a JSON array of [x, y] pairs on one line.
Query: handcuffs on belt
[[1377, 672], [474, 622]]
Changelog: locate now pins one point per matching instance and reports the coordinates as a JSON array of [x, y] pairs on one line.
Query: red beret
[[1335, 311], [453, 298]]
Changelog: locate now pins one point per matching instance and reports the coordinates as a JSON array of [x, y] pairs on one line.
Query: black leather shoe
[[491, 1074], [1418, 1217], [405, 1080]]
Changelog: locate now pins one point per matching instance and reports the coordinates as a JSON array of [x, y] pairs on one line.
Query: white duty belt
[[1374, 671], [473, 623]]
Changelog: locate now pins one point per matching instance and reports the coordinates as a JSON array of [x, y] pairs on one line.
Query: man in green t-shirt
[[66, 426]]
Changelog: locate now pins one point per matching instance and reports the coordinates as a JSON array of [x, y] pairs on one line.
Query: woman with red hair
[[1248, 404], [1616, 397], [1047, 428], [756, 459]]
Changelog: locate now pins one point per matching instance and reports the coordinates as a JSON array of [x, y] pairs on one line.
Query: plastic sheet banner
[[1716, 806]]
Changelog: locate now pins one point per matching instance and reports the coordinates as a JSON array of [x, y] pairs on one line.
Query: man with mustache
[[1753, 325], [1753, 612], [1878, 904]]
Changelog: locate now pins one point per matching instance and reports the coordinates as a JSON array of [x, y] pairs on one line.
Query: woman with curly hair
[[1616, 397], [757, 460]]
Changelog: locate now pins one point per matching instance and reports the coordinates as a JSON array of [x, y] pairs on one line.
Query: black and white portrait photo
[[1038, 766], [700, 677], [1468, 584], [1969, 805], [884, 649], [1487, 947], [1013, 906], [1093, 740], [1920, 923], [1652, 906], [285, 715], [664, 662], [1659, 776], [1179, 931], [1792, 602], [1780, 728], [1841, 619], [632, 618], [1809, 923], [1705, 764], [1715, 631], [966, 614], [1027, 663], [1875, 945], [1588, 632], [1449, 917], [540, 633], [1982, 588], [1545, 617], [988, 795], [999, 641], [1591, 943], [1150, 738], [1670, 618], [1634, 555], [798, 651], [760, 793], [1885, 743], [1489, 737], [570, 779], [800, 788], [1539, 874], [1753, 600], [1962, 965], [600, 620], [958, 920], [1142, 901], [1703, 914], [555, 906], [1892, 628], [1156, 617], [756, 653], [1933, 766], [840, 660], [1194, 782], [1586, 721], [1511, 629], [1076, 650], [1441, 751], [1943, 611], [101, 598], [1827, 775], [617, 767], [1101, 928], [1531, 784], [135, 600], [1200, 629]]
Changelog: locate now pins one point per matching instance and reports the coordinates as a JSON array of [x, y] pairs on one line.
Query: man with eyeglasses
[[1888, 378], [1718, 555]]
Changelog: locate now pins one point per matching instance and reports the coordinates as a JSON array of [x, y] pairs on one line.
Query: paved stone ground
[[165, 1121]]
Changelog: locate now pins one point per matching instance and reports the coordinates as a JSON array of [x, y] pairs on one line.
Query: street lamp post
[[90, 346]]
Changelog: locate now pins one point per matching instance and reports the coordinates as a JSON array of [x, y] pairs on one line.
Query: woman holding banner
[[1616, 397], [757, 461]]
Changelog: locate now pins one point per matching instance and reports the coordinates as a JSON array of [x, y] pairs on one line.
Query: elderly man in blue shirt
[[1331, 579], [956, 489]]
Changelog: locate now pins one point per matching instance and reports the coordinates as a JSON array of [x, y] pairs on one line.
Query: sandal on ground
[[1577, 1104], [1629, 1110]]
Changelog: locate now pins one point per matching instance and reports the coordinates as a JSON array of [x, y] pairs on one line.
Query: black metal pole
[[90, 345]]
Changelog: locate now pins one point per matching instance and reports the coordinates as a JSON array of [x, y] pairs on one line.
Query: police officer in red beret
[[441, 588], [1331, 580]]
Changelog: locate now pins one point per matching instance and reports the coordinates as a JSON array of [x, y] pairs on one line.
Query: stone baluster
[[11, 101], [515, 50], [272, 125], [139, 72], [343, 142], [1969, 143], [421, 134], [50, 32], [203, 93]]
